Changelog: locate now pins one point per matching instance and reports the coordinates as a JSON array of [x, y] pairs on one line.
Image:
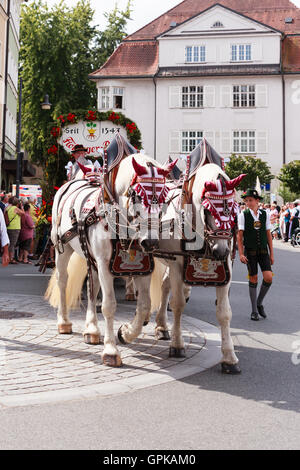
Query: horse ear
[[210, 186], [83, 168], [139, 169], [166, 171], [234, 183]]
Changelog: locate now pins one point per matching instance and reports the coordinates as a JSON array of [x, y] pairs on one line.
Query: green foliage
[[59, 49], [290, 176], [250, 165], [286, 194]]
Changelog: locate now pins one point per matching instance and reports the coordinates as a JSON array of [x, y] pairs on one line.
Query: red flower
[[55, 131], [113, 117], [53, 150], [71, 117], [61, 118], [131, 127], [91, 116]]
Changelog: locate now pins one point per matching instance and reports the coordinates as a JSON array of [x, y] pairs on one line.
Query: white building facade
[[219, 74]]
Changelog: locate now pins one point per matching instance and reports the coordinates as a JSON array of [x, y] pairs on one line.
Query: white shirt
[[295, 211], [241, 219], [3, 230]]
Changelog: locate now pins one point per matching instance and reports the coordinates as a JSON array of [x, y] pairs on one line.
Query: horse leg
[[130, 289], [61, 260], [111, 356], [91, 332], [130, 331], [177, 304], [161, 329], [224, 315]]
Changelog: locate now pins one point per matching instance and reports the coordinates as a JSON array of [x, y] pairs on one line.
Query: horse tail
[[156, 285], [77, 271]]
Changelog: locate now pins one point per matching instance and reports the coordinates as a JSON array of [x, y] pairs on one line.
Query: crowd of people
[[284, 219], [20, 220]]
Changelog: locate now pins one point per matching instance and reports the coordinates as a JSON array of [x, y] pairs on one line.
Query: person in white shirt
[[4, 240], [79, 153], [256, 248]]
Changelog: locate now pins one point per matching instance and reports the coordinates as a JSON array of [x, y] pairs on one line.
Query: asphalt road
[[257, 410]]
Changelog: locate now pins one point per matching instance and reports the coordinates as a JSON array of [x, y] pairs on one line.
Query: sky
[[144, 11]]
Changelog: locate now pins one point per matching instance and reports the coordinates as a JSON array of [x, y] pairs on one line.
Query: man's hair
[[26, 206]]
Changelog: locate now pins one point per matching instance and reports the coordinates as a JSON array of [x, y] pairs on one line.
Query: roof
[[134, 59], [137, 56], [269, 12], [218, 70]]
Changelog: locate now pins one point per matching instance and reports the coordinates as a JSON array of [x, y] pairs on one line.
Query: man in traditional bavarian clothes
[[79, 153], [256, 248]]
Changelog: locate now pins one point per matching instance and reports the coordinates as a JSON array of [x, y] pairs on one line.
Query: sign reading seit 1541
[[93, 135]]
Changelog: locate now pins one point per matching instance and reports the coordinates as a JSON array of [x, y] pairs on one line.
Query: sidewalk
[[280, 245], [37, 365]]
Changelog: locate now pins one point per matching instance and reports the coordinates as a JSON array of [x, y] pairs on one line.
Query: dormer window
[[195, 54], [218, 24], [241, 52]]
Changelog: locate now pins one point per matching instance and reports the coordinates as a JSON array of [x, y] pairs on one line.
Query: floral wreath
[[133, 133]]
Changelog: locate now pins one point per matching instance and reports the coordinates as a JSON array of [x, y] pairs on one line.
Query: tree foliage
[[252, 166], [290, 176], [60, 47]]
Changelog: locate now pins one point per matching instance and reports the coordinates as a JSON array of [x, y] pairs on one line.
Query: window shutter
[[226, 142], [175, 141], [211, 54], [175, 97], [261, 98], [257, 51], [225, 53], [209, 96], [210, 137], [226, 96], [262, 142]]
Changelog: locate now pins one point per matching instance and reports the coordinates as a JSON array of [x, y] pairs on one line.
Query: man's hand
[[243, 259], [5, 256], [272, 259]]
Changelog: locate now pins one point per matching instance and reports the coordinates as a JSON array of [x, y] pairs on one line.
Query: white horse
[[213, 225], [71, 267]]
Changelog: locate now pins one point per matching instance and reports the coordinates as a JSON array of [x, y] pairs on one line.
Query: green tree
[[290, 176], [252, 166], [60, 47]]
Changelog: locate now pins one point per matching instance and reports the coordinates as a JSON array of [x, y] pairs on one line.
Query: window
[[243, 96], [190, 140], [192, 97], [244, 142], [218, 24], [118, 98], [195, 54], [241, 52], [104, 98]]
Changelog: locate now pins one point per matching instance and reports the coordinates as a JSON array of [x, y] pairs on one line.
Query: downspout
[[155, 113], [5, 84], [283, 104]]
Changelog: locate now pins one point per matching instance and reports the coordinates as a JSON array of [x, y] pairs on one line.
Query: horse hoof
[[162, 335], [176, 352], [130, 297], [65, 329], [120, 336], [91, 339], [112, 360], [232, 369]]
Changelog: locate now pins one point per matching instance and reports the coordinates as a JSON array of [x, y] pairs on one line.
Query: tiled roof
[[291, 54], [137, 56], [269, 12], [218, 70], [134, 59]]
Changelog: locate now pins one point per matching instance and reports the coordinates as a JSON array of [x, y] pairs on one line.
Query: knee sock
[[253, 296], [262, 293]]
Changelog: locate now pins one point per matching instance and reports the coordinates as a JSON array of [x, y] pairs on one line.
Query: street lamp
[[46, 104], [20, 154]]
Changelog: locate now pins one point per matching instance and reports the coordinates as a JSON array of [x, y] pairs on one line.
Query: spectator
[[287, 218], [274, 219], [4, 243], [294, 222], [26, 235], [33, 208], [3, 202], [14, 213], [282, 222]]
